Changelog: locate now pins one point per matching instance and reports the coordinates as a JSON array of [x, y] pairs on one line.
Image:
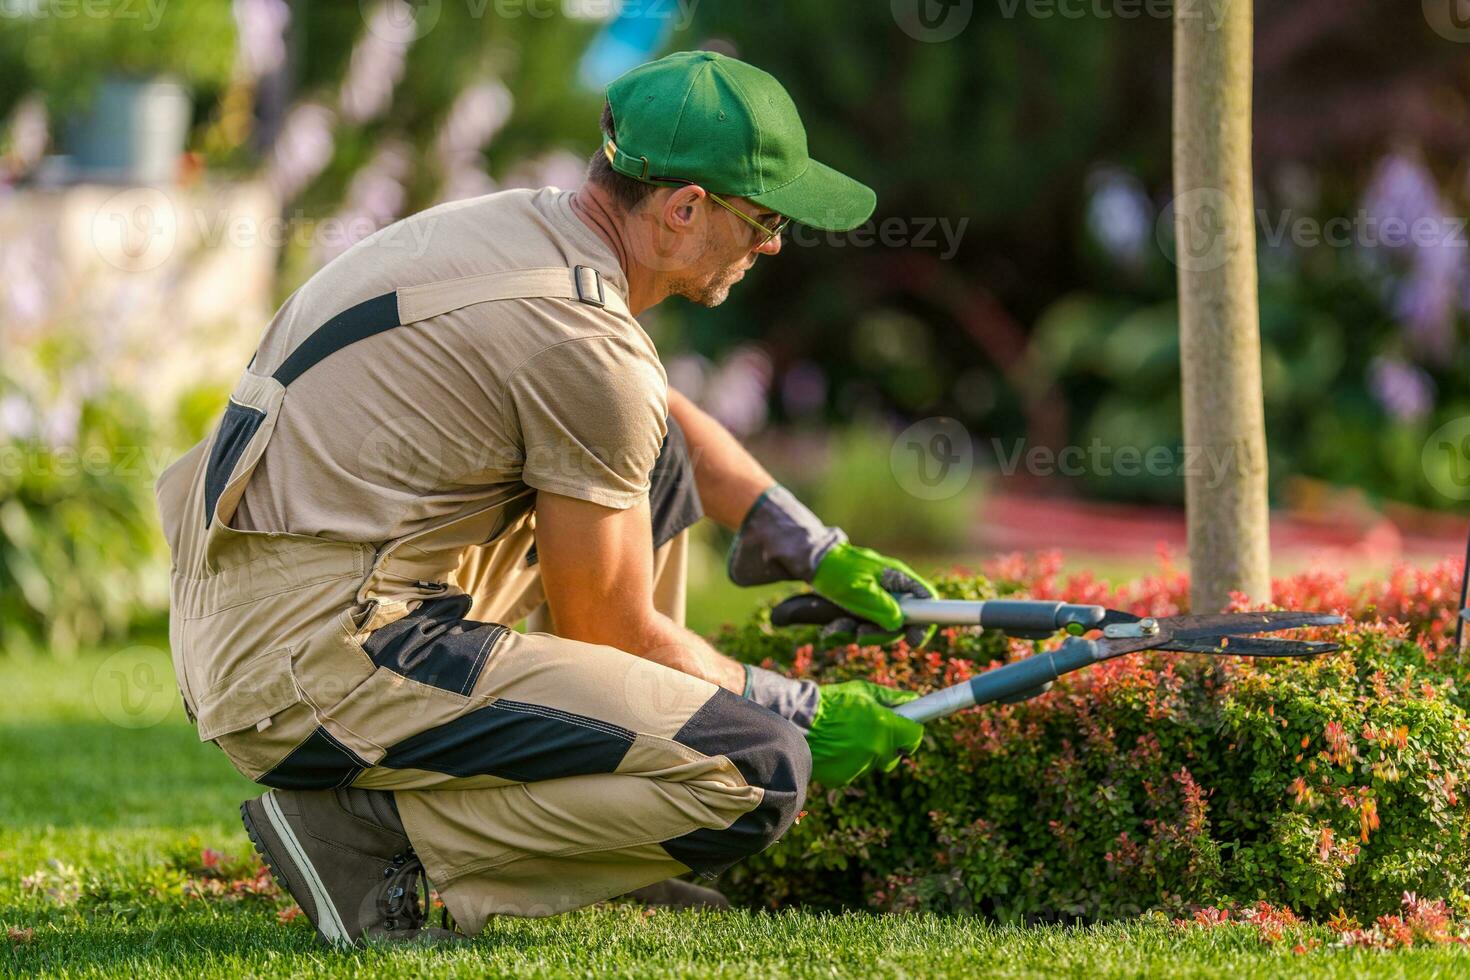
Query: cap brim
[[821, 198]]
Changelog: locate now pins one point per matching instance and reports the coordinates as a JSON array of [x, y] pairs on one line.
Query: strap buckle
[[585, 278]]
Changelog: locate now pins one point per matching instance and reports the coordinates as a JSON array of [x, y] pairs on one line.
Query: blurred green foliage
[[63, 48], [81, 558], [856, 489]]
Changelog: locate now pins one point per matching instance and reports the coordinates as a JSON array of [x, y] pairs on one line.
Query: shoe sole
[[281, 850]]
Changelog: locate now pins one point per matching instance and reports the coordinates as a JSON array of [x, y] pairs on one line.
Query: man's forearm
[[728, 477], [665, 642]]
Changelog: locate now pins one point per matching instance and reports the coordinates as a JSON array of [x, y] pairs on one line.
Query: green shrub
[[81, 555], [1153, 782]]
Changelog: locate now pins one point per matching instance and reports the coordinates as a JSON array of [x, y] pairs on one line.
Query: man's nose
[[772, 247]]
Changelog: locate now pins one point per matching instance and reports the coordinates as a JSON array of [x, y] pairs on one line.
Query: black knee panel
[[771, 753]]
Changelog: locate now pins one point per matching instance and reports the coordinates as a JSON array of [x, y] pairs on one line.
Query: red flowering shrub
[[1158, 781]]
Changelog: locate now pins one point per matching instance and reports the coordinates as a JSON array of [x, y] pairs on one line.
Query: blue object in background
[[630, 40]]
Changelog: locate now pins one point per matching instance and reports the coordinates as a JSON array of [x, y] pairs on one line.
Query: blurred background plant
[[80, 562], [1023, 287]]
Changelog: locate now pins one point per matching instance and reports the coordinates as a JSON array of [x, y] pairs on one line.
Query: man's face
[[715, 247]]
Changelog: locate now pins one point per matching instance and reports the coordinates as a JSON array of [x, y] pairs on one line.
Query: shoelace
[[402, 905]]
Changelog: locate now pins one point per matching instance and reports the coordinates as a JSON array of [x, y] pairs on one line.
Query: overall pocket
[[257, 714]]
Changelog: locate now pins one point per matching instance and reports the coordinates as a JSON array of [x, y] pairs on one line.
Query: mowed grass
[[87, 781]]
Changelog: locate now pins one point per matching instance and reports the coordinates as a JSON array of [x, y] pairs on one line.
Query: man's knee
[[771, 754]]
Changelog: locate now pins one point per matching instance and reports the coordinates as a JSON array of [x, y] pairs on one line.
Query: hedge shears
[[1122, 633]]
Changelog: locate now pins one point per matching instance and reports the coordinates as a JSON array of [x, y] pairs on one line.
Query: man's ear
[[680, 208]]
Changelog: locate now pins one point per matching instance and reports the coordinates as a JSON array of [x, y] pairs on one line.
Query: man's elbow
[[633, 630]]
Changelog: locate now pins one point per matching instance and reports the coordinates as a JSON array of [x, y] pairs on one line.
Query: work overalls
[[534, 774]]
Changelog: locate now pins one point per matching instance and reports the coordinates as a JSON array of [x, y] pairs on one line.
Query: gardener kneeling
[[427, 446]]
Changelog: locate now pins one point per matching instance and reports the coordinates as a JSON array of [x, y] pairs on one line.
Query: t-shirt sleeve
[[591, 415]]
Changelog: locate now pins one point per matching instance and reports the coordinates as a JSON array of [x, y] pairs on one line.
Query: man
[[428, 446]]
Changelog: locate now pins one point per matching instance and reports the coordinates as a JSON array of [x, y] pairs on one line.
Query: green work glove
[[781, 540], [854, 731], [865, 583]]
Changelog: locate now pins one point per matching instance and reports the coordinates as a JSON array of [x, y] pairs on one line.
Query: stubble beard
[[709, 292]]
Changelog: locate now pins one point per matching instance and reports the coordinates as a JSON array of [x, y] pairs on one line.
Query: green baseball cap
[[731, 128]]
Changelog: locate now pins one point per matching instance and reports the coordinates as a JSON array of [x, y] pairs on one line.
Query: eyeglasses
[[767, 232]]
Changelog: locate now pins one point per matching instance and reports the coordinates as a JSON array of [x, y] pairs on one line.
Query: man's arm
[[597, 570], [728, 478]]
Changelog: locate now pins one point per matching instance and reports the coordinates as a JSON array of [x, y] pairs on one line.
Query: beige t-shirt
[[464, 411]]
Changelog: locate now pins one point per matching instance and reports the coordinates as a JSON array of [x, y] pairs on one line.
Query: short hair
[[626, 191]]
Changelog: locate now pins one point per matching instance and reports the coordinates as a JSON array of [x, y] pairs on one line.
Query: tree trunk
[[1219, 323]]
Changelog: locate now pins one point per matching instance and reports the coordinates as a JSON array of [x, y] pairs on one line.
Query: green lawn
[[122, 807]]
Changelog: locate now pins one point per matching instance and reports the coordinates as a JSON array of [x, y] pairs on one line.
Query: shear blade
[[1243, 624], [1250, 646]]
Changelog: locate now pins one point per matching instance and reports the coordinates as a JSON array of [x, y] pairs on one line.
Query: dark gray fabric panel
[[771, 753], [320, 762], [436, 645], [514, 740], [236, 429]]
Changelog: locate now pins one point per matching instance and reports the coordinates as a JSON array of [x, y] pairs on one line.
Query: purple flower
[[688, 374], [375, 198], [736, 394], [1401, 189], [1404, 390], [303, 148], [477, 114], [1403, 202], [558, 169], [377, 63], [1119, 215], [260, 30]]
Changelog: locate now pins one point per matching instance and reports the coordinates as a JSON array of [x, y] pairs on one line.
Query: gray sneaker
[[676, 894], [345, 858]]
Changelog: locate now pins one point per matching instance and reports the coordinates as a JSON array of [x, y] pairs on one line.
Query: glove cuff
[[780, 540], [796, 701]]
